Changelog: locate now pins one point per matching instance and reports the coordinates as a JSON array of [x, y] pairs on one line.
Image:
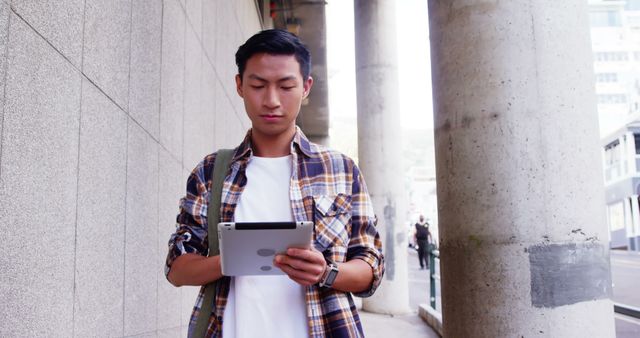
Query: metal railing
[[626, 310], [433, 276]]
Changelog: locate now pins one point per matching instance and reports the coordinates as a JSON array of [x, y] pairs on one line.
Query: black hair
[[274, 42]]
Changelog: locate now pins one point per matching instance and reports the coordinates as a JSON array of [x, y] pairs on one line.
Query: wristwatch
[[330, 274]]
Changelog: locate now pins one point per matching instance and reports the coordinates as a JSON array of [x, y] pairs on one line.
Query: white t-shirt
[[265, 306]]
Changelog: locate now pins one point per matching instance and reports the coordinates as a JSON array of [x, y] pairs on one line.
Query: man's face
[[273, 89]]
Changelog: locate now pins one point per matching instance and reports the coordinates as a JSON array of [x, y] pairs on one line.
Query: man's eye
[[257, 86], [288, 87]]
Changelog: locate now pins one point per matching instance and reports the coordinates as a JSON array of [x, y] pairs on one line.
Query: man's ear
[[306, 86], [239, 85]]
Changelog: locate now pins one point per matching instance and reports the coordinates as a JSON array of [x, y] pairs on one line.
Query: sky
[[414, 73]]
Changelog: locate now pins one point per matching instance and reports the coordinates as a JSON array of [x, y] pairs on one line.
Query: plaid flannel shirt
[[326, 188]]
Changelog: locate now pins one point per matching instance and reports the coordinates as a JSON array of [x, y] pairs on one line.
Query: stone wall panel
[[172, 78], [98, 300], [107, 33], [146, 41], [59, 22], [38, 187], [141, 235]]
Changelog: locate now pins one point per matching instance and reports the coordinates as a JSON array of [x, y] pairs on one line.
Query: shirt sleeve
[[191, 223], [365, 242]]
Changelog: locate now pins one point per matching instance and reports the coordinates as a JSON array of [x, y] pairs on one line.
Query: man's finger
[[301, 265], [310, 255], [298, 276]]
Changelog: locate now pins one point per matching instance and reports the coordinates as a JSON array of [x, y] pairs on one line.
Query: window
[[636, 138], [605, 19], [612, 153], [606, 77], [632, 219], [612, 99], [613, 166], [611, 56], [616, 216]]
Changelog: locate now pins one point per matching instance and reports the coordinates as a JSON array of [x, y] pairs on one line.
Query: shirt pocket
[[332, 215]]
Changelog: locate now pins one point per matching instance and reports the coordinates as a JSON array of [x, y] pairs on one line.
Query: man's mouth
[[271, 117]]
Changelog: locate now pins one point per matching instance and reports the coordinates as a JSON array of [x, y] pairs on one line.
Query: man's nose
[[271, 98]]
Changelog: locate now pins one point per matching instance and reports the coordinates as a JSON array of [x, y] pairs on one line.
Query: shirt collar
[[300, 143]]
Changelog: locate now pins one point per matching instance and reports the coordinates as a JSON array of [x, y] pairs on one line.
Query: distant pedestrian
[[422, 237]]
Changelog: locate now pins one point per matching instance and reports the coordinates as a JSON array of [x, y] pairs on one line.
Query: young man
[[276, 174]]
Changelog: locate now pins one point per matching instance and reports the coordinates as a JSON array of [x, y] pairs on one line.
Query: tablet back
[[249, 248]]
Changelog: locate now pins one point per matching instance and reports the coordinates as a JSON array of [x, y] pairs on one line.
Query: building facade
[[621, 153], [615, 37]]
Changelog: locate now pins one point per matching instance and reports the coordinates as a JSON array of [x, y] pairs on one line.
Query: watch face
[[331, 277]]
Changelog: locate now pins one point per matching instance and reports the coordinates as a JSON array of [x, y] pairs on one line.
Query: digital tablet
[[249, 248]]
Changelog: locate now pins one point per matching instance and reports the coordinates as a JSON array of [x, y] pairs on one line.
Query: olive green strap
[[223, 158]]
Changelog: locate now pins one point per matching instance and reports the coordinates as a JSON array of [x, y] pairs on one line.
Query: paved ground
[[382, 326], [627, 327], [625, 268], [419, 283], [411, 325], [625, 273]]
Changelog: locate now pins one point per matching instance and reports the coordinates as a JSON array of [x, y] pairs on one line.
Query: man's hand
[[304, 266]]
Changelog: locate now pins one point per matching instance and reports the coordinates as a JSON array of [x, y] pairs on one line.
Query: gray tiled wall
[[107, 47], [194, 14], [101, 215], [4, 34], [141, 233], [144, 77], [106, 106], [60, 23], [38, 187], [171, 174], [172, 78]]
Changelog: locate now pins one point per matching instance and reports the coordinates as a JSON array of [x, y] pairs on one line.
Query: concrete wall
[[106, 108]]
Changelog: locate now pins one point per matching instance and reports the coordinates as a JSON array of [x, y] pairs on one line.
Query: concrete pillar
[[379, 145], [520, 192]]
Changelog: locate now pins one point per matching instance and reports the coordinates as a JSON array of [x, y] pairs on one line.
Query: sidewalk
[[410, 325]]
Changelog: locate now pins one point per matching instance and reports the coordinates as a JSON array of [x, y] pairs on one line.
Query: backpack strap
[[221, 164]]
